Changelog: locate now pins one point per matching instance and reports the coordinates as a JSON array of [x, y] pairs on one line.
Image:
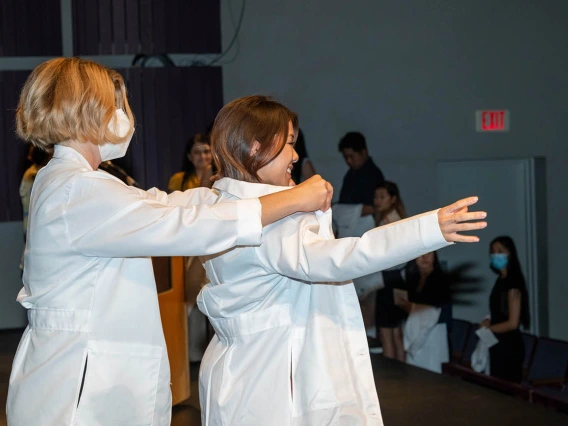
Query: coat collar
[[242, 189], [69, 154]]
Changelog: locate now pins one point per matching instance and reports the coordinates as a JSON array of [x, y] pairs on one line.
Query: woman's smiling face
[[279, 171]]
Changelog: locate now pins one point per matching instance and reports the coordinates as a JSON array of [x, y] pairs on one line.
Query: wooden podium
[[170, 276]]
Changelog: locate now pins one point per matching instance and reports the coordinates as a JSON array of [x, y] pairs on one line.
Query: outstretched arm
[[299, 250]]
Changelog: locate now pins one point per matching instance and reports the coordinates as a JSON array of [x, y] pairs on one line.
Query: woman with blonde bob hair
[[94, 351], [290, 346]]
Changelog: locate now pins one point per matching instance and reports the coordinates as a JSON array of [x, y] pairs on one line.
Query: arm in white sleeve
[[105, 218], [296, 250]]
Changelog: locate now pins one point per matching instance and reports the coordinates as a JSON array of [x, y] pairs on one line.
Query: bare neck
[[88, 150]]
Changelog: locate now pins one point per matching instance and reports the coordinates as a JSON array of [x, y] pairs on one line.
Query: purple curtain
[[102, 27], [13, 150], [170, 105], [30, 28]]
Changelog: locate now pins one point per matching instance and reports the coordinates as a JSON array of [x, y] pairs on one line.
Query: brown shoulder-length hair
[[242, 122], [71, 99]]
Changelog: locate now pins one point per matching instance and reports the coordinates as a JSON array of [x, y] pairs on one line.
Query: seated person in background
[[509, 308], [197, 165], [363, 175], [303, 169], [429, 308], [388, 208]]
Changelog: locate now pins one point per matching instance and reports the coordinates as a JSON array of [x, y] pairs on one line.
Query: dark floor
[[409, 397]]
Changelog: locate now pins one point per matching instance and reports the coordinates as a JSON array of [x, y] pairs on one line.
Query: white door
[[507, 191]]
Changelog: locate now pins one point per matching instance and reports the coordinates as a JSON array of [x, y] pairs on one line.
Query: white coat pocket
[[120, 386]]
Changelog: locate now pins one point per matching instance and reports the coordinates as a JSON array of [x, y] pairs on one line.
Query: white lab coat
[[426, 340], [91, 297], [289, 349], [348, 222]]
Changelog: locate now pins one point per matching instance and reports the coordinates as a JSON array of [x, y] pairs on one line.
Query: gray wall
[[12, 315], [409, 75]]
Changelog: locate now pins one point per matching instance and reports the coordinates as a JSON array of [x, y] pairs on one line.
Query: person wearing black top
[[428, 288], [427, 284], [509, 307], [363, 175]]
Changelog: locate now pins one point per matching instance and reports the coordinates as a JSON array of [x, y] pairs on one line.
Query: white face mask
[[120, 126]]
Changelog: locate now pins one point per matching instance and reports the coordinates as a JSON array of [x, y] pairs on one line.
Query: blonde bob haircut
[[67, 99], [242, 122]]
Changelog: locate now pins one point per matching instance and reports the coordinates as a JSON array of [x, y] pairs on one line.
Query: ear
[[255, 147]]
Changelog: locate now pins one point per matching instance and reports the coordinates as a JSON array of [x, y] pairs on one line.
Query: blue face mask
[[499, 261]]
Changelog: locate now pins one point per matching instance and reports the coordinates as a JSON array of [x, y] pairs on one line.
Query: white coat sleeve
[[295, 249], [106, 218]]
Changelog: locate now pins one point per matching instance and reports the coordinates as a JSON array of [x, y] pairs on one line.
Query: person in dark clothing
[[509, 307], [389, 208], [363, 176], [429, 285], [304, 168], [389, 317], [428, 292]]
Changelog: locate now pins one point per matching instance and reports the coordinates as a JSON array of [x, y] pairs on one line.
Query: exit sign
[[492, 120]]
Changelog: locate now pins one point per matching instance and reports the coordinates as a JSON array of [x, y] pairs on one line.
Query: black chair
[[458, 336], [530, 344], [470, 345], [557, 399], [549, 366]]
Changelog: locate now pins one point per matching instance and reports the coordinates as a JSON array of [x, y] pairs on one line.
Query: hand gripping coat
[[94, 351]]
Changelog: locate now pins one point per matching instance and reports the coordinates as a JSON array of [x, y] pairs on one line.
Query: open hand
[[457, 218]]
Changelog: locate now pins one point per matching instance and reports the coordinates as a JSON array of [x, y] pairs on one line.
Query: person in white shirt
[[94, 350], [290, 346]]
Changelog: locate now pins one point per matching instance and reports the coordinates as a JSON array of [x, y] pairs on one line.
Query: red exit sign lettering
[[492, 120]]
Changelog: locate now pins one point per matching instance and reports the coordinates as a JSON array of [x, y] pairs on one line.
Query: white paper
[[487, 336]]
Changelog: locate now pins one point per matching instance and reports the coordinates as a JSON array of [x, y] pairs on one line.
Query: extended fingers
[[465, 202], [457, 238], [469, 226], [446, 219], [469, 216]]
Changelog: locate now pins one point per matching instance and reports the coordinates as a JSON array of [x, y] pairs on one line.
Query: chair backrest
[[550, 360], [530, 343], [470, 345], [458, 337]]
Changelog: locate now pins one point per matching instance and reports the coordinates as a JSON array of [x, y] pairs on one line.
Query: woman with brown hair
[[388, 317], [290, 346], [94, 351], [197, 165]]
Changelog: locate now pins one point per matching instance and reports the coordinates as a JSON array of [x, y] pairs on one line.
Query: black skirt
[[506, 357], [387, 314]]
